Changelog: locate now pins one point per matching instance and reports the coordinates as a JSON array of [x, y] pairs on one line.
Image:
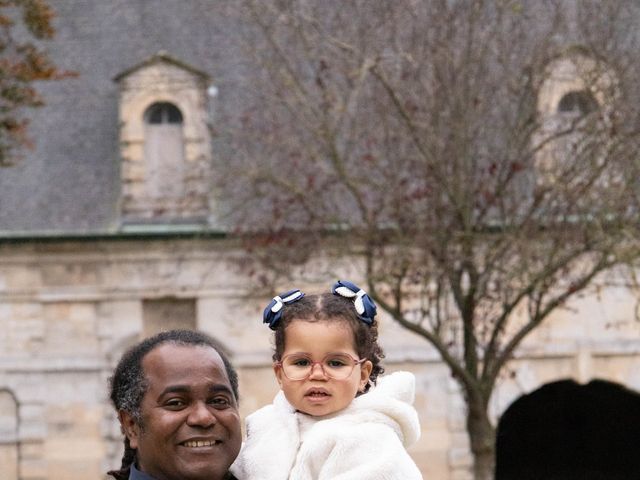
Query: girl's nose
[[317, 373]]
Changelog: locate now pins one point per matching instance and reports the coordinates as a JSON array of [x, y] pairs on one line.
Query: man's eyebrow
[[175, 389], [216, 388], [220, 387]]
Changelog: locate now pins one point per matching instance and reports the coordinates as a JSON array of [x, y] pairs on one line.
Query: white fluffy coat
[[365, 441]]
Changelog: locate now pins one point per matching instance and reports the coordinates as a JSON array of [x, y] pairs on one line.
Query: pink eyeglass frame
[[356, 361]]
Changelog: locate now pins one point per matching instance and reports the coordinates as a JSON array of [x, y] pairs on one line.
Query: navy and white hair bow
[[273, 312], [365, 307]]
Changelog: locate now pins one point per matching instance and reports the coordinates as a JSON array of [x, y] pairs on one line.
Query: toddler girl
[[330, 421]]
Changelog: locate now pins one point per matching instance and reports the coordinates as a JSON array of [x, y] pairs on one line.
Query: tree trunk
[[482, 437]]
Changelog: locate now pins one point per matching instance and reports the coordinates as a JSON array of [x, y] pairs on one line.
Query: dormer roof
[[161, 57]]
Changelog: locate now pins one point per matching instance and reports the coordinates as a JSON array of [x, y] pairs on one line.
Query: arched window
[[577, 102], [164, 150], [163, 112]]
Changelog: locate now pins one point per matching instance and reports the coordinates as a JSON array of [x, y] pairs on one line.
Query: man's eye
[[175, 403], [220, 402]]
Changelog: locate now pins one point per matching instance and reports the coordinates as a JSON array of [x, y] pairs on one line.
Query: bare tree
[[478, 156]]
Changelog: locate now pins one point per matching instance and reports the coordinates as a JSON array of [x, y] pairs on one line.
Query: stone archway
[[9, 441], [568, 431]]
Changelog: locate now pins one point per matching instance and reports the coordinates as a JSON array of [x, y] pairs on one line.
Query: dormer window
[[164, 151], [575, 103], [165, 143]]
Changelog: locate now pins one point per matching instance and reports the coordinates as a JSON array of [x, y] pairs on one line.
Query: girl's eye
[[336, 363], [301, 362]]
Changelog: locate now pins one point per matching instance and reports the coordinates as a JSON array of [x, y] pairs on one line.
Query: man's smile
[[200, 443]]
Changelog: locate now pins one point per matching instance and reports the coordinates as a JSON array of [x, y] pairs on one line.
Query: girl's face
[[319, 394]]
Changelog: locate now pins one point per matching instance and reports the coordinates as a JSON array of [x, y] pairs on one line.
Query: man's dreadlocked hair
[[128, 383]]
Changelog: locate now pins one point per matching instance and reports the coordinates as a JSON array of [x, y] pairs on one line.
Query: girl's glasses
[[338, 366]]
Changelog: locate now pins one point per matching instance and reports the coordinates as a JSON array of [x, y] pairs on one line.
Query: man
[[176, 396]]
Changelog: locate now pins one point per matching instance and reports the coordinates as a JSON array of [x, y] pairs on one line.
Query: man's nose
[[317, 373], [201, 415]]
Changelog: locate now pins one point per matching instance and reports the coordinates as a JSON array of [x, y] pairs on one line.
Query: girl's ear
[[278, 372], [365, 372], [129, 427]]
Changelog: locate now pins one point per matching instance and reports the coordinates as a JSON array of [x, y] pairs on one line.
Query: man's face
[[190, 427]]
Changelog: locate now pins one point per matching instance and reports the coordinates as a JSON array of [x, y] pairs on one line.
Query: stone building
[[108, 234]]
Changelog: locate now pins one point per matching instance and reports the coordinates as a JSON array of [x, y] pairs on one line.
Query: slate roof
[[70, 182]]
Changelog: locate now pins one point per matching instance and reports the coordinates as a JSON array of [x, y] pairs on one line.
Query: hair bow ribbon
[[364, 305], [273, 312]]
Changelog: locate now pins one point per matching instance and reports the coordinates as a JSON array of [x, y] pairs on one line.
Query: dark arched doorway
[[568, 431]]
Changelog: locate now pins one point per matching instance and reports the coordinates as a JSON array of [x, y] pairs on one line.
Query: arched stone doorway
[[568, 431], [9, 442]]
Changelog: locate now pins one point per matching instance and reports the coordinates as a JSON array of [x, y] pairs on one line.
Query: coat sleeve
[[270, 447]]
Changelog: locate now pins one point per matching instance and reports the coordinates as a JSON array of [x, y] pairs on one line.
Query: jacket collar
[[135, 474]]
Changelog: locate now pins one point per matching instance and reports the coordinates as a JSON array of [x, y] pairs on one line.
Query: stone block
[[460, 457], [461, 475], [32, 450], [34, 470]]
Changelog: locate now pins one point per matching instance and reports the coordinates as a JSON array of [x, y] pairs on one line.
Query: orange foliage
[[21, 64]]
